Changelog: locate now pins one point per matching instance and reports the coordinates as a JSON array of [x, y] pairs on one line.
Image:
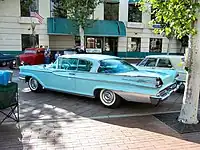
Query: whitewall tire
[[34, 85], [109, 98]]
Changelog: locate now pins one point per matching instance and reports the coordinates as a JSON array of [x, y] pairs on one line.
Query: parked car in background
[[71, 51], [5, 59], [108, 78], [165, 63], [31, 56]]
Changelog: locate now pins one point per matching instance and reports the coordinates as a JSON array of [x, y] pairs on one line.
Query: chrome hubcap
[[4, 64], [33, 84], [107, 97]]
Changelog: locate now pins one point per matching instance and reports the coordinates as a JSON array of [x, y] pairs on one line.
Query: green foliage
[[77, 10], [177, 16], [58, 9]]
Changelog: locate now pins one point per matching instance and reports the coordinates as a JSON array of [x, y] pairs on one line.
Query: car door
[[64, 74], [84, 78]]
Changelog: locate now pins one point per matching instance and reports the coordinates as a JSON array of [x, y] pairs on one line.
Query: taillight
[[159, 82]]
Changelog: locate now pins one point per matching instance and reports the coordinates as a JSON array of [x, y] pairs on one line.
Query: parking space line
[[133, 115]]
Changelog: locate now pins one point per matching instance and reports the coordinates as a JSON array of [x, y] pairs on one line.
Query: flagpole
[[33, 25]]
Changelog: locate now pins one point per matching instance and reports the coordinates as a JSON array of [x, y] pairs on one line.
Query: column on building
[[147, 31], [123, 16], [42, 28], [99, 12], [171, 46]]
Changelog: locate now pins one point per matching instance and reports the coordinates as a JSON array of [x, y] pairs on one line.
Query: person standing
[[47, 55], [57, 55]]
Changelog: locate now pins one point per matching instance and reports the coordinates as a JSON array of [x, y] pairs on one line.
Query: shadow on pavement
[[53, 118], [10, 137]]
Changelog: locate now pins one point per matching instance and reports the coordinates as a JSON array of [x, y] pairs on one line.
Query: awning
[[134, 1], [60, 26], [106, 28]]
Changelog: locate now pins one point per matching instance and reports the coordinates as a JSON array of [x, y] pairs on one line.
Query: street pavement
[[52, 120]]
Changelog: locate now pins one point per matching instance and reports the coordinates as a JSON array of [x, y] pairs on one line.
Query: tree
[[78, 11], [180, 18]]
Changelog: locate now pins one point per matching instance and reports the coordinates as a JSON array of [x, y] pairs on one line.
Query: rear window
[[165, 63], [148, 62]]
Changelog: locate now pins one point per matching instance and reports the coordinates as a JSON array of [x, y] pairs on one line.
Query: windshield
[[115, 66], [30, 52]]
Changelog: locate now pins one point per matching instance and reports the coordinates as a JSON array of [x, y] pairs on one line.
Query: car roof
[[90, 56], [165, 56], [41, 49]]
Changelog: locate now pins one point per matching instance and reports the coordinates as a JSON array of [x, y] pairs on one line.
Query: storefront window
[[77, 41], [94, 45], [134, 44], [111, 44], [155, 45]]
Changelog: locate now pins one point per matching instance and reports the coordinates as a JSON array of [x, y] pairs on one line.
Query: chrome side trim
[[21, 78], [134, 97]]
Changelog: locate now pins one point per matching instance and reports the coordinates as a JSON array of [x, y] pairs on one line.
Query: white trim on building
[[12, 25]]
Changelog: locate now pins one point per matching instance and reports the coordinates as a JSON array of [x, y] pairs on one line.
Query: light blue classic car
[[108, 78]]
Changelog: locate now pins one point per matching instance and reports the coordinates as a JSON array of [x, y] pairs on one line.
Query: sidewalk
[[56, 121], [132, 133]]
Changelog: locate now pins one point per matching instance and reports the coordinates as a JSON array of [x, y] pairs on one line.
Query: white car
[[163, 62]]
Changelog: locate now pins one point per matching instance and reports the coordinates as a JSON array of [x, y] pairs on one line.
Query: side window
[[143, 62], [84, 65], [68, 63], [165, 63], [151, 62]]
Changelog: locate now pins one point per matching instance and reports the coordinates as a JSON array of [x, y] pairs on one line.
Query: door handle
[[72, 74]]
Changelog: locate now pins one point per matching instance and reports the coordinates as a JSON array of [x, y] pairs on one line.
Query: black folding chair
[[9, 105]]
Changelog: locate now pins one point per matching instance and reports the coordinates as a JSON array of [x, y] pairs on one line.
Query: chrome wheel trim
[[107, 97], [33, 84], [4, 63]]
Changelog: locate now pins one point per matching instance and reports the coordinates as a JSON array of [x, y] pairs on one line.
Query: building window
[[27, 5], [94, 42], [155, 45], [28, 41], [111, 44], [93, 45], [134, 44], [111, 11], [77, 41], [134, 14]]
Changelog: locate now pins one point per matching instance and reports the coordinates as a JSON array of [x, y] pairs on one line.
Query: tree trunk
[[81, 31], [189, 108], [168, 46]]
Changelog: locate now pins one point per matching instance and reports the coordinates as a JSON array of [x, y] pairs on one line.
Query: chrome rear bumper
[[147, 98]]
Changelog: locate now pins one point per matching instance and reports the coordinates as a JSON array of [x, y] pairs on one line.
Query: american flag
[[36, 15]]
